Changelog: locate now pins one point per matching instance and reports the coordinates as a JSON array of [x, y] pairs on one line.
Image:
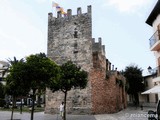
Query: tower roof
[[153, 14]]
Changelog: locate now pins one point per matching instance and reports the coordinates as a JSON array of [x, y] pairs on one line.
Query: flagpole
[[58, 8]]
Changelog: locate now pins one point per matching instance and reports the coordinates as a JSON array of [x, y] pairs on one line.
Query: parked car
[[18, 102]]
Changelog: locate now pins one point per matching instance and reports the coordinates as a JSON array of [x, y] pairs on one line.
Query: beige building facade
[[154, 21], [149, 99]]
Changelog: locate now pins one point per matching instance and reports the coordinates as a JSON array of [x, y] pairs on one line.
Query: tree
[[71, 77], [2, 95], [15, 82], [134, 79], [39, 70]]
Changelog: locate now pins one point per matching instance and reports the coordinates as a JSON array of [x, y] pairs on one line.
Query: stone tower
[[70, 38]]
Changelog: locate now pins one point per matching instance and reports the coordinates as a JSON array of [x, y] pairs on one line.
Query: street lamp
[[149, 69]]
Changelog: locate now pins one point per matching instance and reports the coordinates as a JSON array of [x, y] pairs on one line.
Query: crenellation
[[112, 67], [103, 50], [100, 41], [59, 15], [93, 40], [89, 9], [79, 11], [97, 46], [108, 65], [50, 15], [69, 12]]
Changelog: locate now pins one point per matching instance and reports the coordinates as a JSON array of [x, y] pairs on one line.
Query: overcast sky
[[120, 24]]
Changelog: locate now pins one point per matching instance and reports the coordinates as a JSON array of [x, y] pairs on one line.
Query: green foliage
[[16, 85], [71, 77], [2, 95], [134, 79], [39, 70], [33, 74], [2, 102]]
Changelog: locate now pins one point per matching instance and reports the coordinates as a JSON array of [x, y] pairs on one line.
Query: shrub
[[2, 102]]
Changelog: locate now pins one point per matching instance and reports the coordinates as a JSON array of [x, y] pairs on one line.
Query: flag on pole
[[54, 4], [58, 8]]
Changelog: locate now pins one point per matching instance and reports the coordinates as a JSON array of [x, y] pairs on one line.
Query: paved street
[[5, 115], [131, 113]]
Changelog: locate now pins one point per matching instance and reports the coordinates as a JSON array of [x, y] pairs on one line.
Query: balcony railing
[[155, 38]]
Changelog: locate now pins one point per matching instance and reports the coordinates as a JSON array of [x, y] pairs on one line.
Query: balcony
[[155, 41]]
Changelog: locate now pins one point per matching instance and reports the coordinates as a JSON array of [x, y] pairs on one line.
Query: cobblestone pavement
[[130, 113]]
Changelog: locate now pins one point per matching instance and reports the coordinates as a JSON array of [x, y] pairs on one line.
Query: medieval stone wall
[[70, 38], [108, 93]]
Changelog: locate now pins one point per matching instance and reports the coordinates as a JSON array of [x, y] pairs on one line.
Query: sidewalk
[[131, 113], [5, 115]]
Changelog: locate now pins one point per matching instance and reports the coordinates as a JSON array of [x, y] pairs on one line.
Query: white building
[[3, 68], [154, 21]]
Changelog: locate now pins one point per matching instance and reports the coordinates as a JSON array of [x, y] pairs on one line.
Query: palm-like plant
[[14, 81]]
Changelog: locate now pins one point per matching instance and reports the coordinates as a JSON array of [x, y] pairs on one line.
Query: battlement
[[69, 13], [97, 46]]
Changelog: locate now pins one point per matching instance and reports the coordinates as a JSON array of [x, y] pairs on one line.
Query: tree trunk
[[7, 101], [33, 100], [136, 98], [65, 98], [13, 106], [12, 112], [21, 106], [39, 98]]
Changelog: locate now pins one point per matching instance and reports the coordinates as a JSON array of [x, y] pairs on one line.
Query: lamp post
[[149, 69]]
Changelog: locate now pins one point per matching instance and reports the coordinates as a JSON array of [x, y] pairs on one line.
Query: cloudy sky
[[120, 24]]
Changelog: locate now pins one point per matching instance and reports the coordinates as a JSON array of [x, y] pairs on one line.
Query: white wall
[[156, 23]]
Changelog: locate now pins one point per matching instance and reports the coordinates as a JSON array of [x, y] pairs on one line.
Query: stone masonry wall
[[70, 38], [107, 95]]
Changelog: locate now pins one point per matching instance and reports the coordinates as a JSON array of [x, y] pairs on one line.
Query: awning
[[155, 89]]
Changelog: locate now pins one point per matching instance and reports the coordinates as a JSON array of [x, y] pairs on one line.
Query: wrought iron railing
[[155, 37]]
